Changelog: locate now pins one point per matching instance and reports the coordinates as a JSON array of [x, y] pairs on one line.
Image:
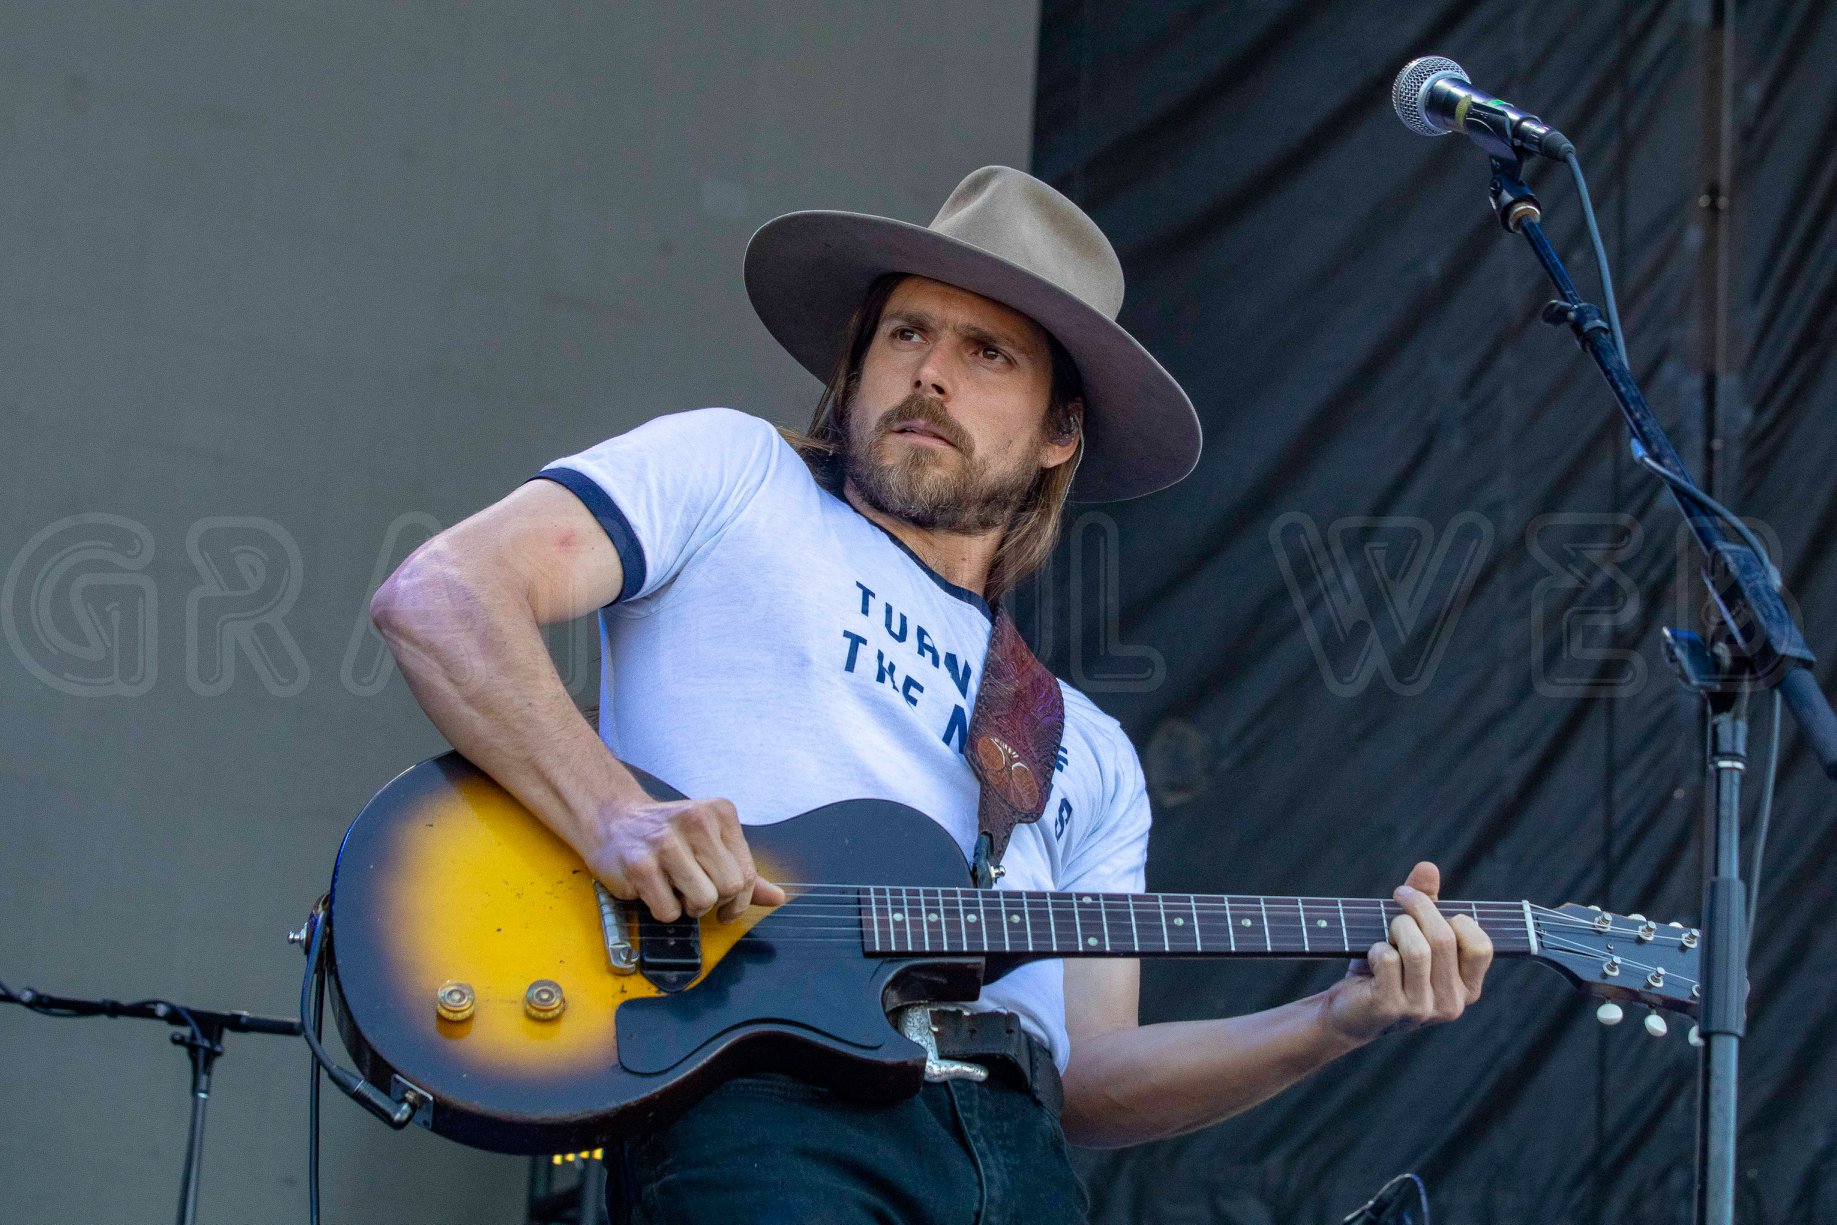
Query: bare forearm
[[1149, 1082], [474, 658]]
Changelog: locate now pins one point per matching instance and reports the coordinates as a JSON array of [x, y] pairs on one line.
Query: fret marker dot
[[1091, 940], [1320, 922], [1179, 922], [932, 916], [969, 918], [1243, 922], [1014, 918], [1087, 897], [899, 916]]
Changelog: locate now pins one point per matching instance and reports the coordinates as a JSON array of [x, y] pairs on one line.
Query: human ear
[[1062, 441]]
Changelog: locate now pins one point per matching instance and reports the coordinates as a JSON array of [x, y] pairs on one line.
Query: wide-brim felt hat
[[1011, 238]]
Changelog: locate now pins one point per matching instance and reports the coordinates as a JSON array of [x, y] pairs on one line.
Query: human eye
[[903, 331], [992, 354]]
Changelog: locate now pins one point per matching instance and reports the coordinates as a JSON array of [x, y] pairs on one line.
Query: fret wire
[[1374, 919]]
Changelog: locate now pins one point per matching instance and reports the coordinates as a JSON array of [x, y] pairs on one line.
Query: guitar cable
[[312, 1005], [312, 1105]]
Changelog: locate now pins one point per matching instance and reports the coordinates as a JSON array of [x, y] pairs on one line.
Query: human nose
[[933, 376]]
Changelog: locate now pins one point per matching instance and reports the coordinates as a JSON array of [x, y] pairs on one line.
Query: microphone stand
[[199, 1030], [1755, 645]]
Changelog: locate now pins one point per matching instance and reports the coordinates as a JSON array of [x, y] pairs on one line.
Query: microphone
[[1433, 97]]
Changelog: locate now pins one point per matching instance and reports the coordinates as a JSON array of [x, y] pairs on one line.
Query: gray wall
[[281, 286]]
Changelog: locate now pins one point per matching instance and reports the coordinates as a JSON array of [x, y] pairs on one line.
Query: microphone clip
[[1513, 202]]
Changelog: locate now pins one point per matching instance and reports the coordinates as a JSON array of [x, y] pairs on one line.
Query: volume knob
[[455, 1001], [544, 1000]]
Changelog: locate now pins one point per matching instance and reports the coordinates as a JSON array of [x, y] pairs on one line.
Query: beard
[[934, 488]]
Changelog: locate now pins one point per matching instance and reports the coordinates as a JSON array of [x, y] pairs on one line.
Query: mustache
[[923, 410]]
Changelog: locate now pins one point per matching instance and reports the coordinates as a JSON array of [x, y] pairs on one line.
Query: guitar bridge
[[619, 952]]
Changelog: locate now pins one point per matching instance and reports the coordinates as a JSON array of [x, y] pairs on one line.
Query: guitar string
[[849, 902], [851, 895], [852, 921], [1627, 962], [855, 930], [913, 946]]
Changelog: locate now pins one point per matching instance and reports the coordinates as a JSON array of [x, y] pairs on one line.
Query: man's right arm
[[462, 617]]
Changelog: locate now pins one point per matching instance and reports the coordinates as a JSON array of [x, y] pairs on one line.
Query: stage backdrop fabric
[[1409, 604]]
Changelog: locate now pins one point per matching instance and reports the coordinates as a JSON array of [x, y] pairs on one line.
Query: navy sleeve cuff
[[611, 518]]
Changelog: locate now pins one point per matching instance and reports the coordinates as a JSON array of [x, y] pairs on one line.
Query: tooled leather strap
[[1014, 736]]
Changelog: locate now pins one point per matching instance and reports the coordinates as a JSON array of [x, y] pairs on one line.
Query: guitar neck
[[897, 920]]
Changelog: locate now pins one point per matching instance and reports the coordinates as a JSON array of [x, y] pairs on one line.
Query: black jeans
[[773, 1150]]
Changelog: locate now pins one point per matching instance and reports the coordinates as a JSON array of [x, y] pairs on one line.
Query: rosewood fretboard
[[896, 920]]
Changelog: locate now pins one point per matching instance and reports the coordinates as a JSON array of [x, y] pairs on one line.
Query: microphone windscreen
[[1413, 83]]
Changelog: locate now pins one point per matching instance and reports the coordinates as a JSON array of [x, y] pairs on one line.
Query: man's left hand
[[1429, 970]]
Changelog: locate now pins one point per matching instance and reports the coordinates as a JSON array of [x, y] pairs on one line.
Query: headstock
[[1623, 959]]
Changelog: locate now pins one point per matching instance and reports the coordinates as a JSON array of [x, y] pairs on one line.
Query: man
[[790, 623]]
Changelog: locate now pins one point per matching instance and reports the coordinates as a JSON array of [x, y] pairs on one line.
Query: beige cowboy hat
[[1011, 238]]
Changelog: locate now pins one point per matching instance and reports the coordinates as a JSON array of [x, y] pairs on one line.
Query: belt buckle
[[915, 1023]]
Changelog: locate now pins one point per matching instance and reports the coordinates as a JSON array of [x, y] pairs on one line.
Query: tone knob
[[1655, 1025], [455, 1001], [544, 1000], [1609, 1013]]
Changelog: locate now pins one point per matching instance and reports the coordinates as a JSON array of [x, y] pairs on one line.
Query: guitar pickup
[[669, 954]]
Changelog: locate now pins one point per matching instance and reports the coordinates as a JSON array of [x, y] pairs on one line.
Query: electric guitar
[[480, 975]]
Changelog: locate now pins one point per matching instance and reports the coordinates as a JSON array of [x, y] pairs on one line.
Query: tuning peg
[[1694, 1037], [1637, 918], [1655, 1025], [1609, 1013]]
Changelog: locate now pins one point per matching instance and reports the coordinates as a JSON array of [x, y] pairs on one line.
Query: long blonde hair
[[1029, 537]]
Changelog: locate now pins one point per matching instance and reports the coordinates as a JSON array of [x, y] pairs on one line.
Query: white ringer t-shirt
[[774, 646]]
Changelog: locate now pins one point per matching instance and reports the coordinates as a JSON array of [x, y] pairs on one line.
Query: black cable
[[28, 999], [1766, 814], [312, 1109], [1686, 488], [1594, 238]]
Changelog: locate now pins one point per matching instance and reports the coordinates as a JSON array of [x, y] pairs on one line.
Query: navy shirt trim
[[611, 518]]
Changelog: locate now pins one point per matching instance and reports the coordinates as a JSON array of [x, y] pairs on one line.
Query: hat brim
[[806, 272]]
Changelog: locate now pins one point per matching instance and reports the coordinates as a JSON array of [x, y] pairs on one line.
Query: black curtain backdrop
[[1362, 343]]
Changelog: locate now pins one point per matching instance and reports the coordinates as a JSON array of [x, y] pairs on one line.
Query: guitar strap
[[1014, 737]]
